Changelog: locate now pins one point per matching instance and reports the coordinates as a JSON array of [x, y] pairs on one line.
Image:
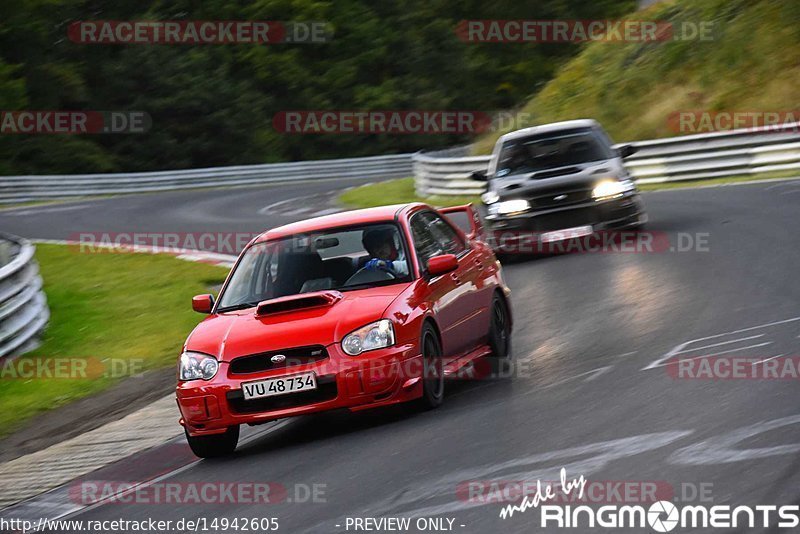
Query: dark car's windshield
[[547, 151], [339, 259]]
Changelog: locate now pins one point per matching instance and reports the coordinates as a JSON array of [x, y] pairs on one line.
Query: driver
[[379, 242]]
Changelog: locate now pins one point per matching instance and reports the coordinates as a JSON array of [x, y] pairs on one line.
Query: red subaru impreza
[[355, 310]]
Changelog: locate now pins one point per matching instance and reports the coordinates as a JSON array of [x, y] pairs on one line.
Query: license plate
[[279, 386], [567, 233]]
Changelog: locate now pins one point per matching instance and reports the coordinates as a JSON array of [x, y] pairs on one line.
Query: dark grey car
[[560, 181]]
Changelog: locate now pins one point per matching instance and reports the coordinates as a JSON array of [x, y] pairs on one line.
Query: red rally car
[[355, 310]]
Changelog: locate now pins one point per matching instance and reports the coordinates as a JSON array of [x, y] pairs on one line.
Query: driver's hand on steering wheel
[[375, 264]]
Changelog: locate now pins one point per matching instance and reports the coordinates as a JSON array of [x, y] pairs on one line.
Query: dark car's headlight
[[377, 335], [510, 207], [490, 197], [611, 188], [197, 366]]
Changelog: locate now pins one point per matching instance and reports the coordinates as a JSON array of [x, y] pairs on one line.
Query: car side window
[[426, 245], [448, 239]]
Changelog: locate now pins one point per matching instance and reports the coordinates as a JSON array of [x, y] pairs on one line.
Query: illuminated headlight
[[373, 336], [196, 366], [490, 197], [612, 188], [509, 207]]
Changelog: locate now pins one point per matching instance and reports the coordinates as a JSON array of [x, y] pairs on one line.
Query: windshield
[[343, 259], [548, 151]]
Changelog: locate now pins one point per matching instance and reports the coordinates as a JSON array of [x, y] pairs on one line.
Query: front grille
[[572, 197], [564, 219], [326, 390], [256, 363], [591, 214]]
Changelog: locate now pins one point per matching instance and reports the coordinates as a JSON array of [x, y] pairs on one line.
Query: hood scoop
[[554, 172], [319, 299]]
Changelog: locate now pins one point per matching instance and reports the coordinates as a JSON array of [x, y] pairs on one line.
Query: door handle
[[456, 279], [479, 264]]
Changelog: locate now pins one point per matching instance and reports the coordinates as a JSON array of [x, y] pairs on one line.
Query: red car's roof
[[346, 218]]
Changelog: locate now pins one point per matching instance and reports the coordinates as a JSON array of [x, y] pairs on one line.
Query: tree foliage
[[213, 104]]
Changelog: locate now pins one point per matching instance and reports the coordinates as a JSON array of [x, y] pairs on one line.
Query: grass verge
[[117, 314], [397, 192]]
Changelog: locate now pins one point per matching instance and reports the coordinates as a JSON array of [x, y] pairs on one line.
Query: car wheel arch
[[431, 321], [504, 299]]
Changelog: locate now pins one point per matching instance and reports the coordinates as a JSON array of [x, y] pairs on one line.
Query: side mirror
[[443, 264], [479, 176], [203, 303], [625, 151]]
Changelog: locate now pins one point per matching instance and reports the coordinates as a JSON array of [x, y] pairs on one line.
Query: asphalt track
[[590, 392]]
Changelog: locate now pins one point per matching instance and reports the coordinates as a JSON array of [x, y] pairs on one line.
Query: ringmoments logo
[[660, 516]]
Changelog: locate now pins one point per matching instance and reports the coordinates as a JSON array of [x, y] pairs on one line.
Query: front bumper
[[376, 378], [614, 214]]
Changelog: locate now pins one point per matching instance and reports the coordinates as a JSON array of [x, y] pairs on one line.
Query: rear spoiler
[[475, 230]]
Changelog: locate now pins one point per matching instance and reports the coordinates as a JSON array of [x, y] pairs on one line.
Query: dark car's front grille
[[326, 390], [256, 363], [569, 218], [564, 219], [556, 199]]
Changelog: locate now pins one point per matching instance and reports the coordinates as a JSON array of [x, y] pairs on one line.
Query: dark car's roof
[[346, 218]]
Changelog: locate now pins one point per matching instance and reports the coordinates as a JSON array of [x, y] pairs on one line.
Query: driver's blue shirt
[[398, 266]]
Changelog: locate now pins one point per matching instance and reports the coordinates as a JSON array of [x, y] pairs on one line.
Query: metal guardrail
[[23, 306], [29, 188], [690, 157]]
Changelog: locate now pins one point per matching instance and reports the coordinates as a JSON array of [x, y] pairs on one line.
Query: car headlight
[[612, 188], [196, 366], [509, 207], [377, 335], [490, 197]]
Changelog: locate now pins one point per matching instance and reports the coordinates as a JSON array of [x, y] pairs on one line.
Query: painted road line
[[716, 353], [270, 207], [768, 359], [720, 344], [730, 184], [19, 212], [680, 348], [594, 373]]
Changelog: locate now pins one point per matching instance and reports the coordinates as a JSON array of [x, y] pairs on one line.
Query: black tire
[[433, 370], [499, 337], [215, 445]]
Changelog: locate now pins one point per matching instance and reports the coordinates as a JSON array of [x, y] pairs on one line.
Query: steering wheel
[[366, 276]]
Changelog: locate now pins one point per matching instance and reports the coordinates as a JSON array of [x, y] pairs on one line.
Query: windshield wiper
[[240, 306], [367, 285], [355, 286]]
